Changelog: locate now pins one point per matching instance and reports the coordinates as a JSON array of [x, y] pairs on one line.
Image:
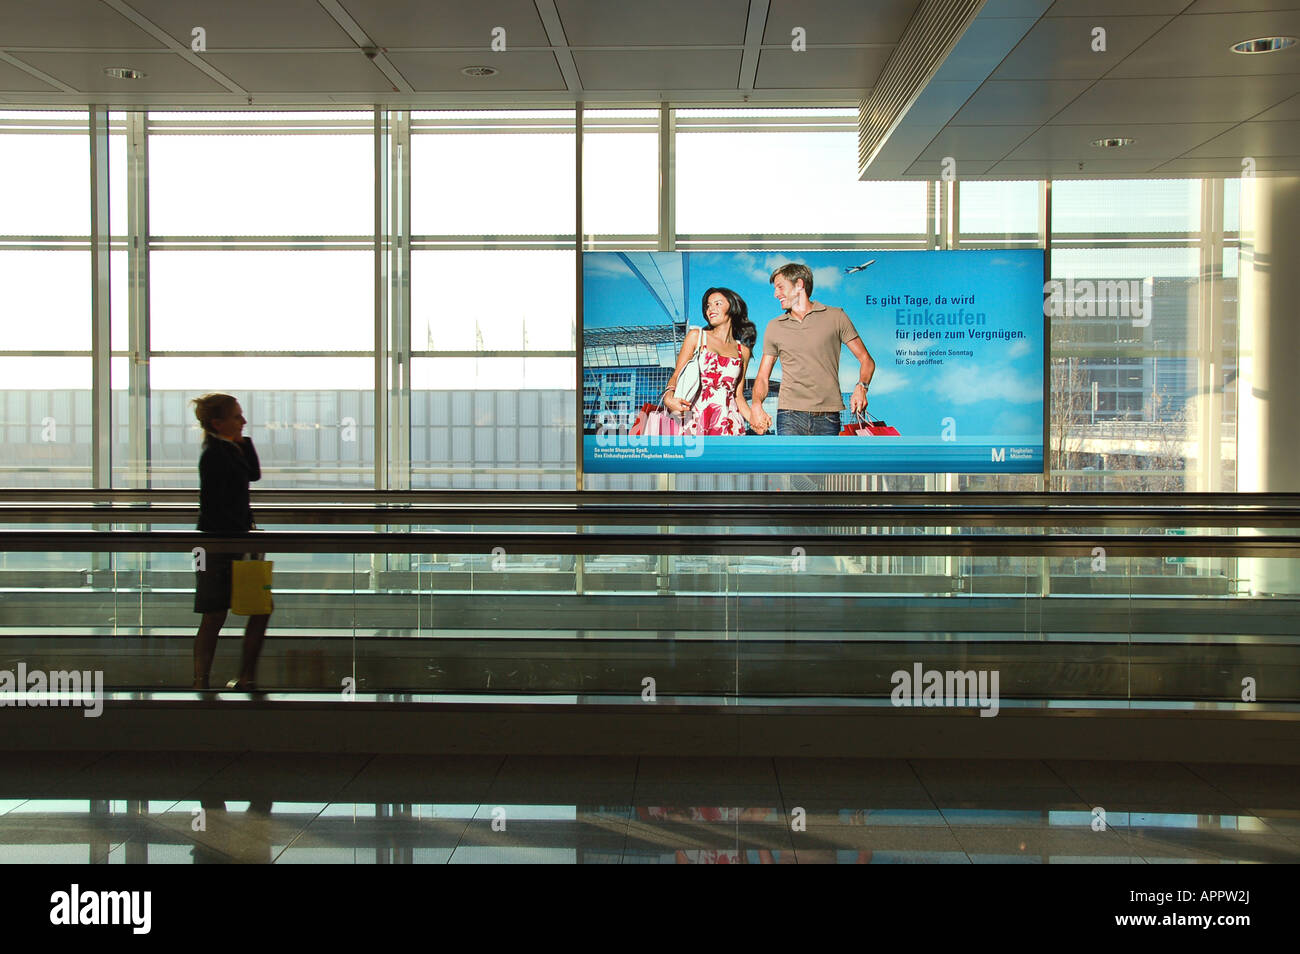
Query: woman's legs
[[254, 634], [205, 646]]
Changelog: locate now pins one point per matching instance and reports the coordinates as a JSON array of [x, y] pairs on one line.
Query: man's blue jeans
[[807, 423]]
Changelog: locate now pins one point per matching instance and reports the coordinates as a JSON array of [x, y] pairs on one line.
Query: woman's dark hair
[[210, 408], [742, 329]]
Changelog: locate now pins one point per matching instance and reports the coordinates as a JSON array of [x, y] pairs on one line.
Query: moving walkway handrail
[[603, 499], [1061, 545], [772, 512]]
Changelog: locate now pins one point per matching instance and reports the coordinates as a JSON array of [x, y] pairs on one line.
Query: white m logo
[[998, 453]]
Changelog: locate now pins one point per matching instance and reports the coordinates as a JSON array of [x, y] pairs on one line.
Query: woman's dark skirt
[[212, 585]]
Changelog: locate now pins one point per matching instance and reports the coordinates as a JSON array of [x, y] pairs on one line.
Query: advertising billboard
[[813, 362]]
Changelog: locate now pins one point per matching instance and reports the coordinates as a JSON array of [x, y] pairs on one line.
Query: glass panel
[[49, 157], [311, 419], [997, 209], [1181, 628], [1126, 205], [772, 183], [1231, 205], [468, 178], [242, 183], [620, 172], [517, 301], [45, 412], [492, 423], [117, 175], [262, 301], [45, 299], [1128, 370]]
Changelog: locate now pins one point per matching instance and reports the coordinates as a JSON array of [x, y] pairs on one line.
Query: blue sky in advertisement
[[957, 337]]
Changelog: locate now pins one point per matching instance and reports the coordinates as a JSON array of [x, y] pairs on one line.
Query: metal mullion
[[1210, 330], [1045, 231], [139, 388], [667, 180], [101, 395], [382, 246], [400, 307], [577, 324]]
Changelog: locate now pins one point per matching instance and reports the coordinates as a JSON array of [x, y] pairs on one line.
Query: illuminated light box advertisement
[[952, 343]]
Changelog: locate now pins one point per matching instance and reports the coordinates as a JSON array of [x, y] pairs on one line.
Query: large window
[[392, 295], [1138, 361]]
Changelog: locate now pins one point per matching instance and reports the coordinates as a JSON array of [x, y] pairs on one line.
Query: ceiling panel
[[522, 70], [301, 72], [1155, 141], [1253, 139], [1115, 8], [930, 170], [975, 142], [1231, 168], [939, 100], [1061, 48], [661, 23], [984, 44], [165, 72], [1286, 110], [905, 145], [398, 24], [1199, 46], [674, 69], [84, 23], [1000, 102], [1181, 100], [1063, 169], [11, 77], [1231, 6], [820, 69], [246, 23], [838, 21], [1014, 8]]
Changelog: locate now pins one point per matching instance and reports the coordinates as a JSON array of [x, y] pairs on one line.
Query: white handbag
[[688, 382]]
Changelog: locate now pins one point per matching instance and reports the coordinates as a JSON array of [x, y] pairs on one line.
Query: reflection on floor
[[263, 807]]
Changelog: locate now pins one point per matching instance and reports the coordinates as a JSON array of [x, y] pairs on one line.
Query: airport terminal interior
[[1033, 598]]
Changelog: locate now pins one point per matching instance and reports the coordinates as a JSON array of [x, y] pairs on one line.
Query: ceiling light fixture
[[1263, 44], [121, 72], [1113, 143], [479, 71]]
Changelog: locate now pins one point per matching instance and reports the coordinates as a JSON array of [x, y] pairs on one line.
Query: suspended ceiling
[[1022, 95]]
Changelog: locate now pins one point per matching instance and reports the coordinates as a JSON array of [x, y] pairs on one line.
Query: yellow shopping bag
[[250, 587]]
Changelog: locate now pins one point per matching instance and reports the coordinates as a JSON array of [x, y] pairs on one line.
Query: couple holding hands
[[806, 339]]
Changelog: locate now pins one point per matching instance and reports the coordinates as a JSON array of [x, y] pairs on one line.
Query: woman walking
[[226, 467]]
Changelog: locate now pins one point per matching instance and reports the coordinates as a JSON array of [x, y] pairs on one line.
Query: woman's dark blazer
[[225, 471]]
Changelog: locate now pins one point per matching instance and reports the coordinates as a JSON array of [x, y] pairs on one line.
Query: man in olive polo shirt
[[807, 341]]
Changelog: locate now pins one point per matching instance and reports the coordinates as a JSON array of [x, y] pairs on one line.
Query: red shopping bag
[[868, 426], [663, 423], [638, 426]]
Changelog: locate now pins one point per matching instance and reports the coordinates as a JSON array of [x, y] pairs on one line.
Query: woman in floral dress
[[727, 341]]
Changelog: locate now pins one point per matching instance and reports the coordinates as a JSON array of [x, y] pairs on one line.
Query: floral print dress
[[715, 412]]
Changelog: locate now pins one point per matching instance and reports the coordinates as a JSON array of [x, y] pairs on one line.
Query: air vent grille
[[933, 31]]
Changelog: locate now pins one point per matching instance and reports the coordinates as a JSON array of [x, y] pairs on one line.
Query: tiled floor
[[259, 807]]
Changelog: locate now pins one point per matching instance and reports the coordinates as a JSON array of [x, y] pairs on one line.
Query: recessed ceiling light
[[479, 71], [120, 72], [1113, 143], [1264, 44]]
